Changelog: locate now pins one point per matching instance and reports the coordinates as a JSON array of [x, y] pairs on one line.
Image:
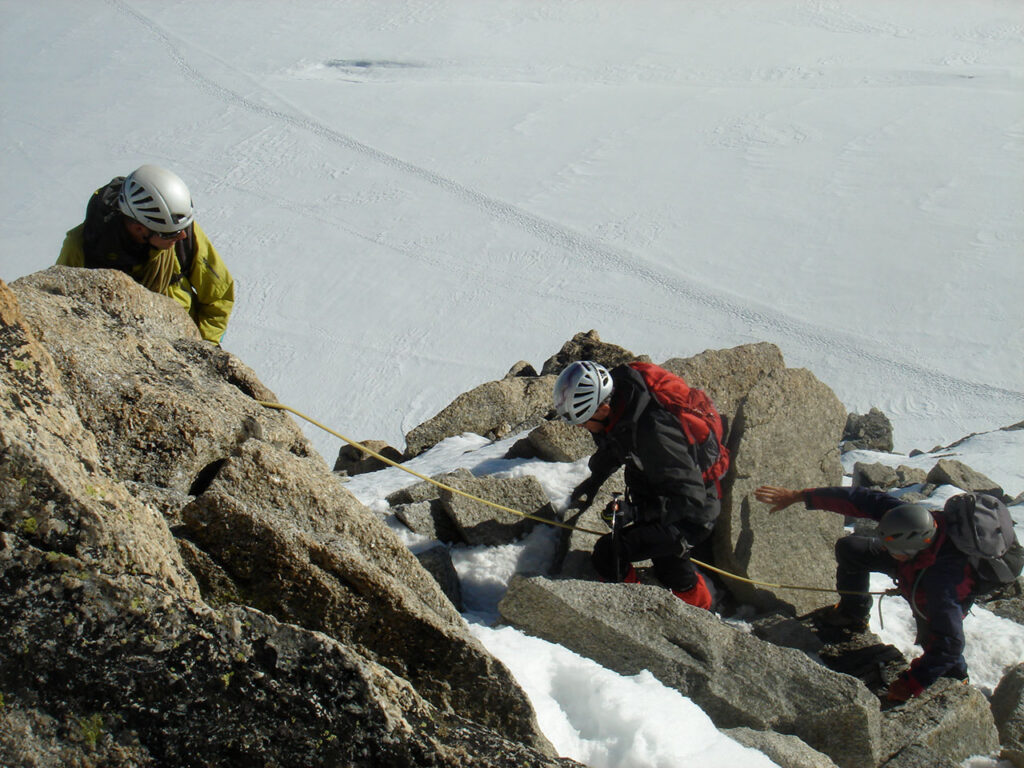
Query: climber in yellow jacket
[[144, 225]]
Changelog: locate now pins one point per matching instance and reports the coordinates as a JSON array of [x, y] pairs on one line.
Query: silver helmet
[[580, 390], [907, 529], [156, 198]]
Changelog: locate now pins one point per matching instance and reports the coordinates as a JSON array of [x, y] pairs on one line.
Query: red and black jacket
[[662, 474]]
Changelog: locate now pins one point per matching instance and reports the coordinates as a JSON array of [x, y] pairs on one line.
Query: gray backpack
[[981, 527]]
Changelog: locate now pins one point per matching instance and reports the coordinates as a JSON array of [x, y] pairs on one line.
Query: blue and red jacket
[[938, 583]]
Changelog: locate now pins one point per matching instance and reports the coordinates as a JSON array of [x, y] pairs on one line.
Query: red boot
[[697, 595], [631, 577]]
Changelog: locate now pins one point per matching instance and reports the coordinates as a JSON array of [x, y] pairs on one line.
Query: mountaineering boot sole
[[835, 617], [958, 675]]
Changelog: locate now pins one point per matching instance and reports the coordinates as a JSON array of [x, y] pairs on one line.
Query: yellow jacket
[[207, 293]]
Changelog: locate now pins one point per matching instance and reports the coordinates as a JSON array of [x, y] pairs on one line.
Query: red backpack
[[701, 422]]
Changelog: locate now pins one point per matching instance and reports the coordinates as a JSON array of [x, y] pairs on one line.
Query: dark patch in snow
[[368, 64]]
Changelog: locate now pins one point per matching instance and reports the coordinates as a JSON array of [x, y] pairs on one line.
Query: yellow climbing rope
[[430, 480], [537, 518]]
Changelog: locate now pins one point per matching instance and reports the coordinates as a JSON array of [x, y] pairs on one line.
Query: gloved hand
[[618, 512], [582, 495]]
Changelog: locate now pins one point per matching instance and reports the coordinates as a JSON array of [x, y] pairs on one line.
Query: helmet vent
[[580, 390], [157, 198]]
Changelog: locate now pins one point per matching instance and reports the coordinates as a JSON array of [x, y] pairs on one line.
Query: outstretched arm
[[779, 498], [853, 502]]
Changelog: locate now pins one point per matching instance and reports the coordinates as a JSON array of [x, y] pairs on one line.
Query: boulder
[[871, 431], [55, 495], [29, 737], [437, 561], [785, 433], [520, 401], [424, 490], [522, 368], [917, 756], [161, 403], [494, 410], [1008, 712], [428, 519], [787, 632], [215, 585], [554, 441], [139, 677], [298, 546], [482, 524], [956, 473], [876, 475], [728, 375], [353, 461], [117, 422], [1007, 601], [588, 346], [950, 722], [910, 476], [782, 749], [862, 655], [738, 680], [783, 427]]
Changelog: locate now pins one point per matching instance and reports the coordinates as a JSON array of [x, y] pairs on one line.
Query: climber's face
[[599, 421]]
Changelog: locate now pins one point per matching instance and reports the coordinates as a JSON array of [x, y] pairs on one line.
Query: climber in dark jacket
[[912, 548], [667, 509]]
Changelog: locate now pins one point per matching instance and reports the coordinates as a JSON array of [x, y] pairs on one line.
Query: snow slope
[[414, 195]]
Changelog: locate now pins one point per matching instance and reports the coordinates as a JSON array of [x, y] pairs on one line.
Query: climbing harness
[[546, 521]]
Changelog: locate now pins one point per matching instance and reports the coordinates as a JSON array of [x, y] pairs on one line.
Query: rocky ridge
[[185, 582]]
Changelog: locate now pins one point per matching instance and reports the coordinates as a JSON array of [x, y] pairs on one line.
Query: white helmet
[[580, 390], [157, 199]]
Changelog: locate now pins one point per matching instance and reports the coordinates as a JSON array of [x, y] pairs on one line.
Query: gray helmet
[[580, 390], [157, 199], [907, 529]]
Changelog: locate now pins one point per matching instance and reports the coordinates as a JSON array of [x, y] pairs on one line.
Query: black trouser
[[667, 547], [857, 557]]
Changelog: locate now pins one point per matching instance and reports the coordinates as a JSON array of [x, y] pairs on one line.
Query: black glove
[[618, 512], [582, 495]]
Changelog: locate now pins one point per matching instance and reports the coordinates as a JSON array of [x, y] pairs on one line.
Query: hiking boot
[[698, 595], [957, 674], [837, 618]]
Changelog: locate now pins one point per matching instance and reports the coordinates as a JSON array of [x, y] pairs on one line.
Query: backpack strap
[[105, 243]]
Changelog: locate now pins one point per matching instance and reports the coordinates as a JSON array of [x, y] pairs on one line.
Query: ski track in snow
[[583, 247]]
